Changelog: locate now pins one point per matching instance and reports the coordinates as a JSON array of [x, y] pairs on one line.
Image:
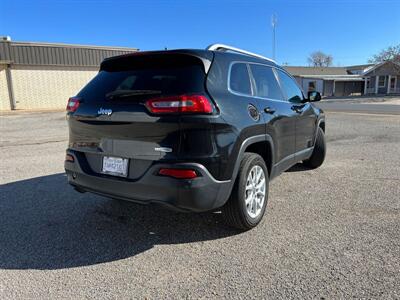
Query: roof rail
[[225, 48]]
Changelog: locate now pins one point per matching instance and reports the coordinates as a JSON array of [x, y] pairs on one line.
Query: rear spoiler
[[172, 57]]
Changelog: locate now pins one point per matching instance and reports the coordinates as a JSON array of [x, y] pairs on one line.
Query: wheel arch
[[253, 143], [260, 144], [264, 149], [322, 125]]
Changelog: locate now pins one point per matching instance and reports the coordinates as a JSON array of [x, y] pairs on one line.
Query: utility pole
[[274, 21]]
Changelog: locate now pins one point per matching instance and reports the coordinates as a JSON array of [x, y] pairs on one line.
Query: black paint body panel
[[212, 144]]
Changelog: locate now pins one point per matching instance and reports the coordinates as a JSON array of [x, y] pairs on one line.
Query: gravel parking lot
[[331, 233]]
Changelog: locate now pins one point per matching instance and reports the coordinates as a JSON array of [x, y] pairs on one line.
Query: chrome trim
[[219, 47], [104, 111], [274, 69], [250, 78], [163, 149], [229, 79]]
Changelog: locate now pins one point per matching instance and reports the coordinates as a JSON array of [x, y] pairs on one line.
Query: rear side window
[[292, 90], [154, 77], [239, 79], [265, 82]]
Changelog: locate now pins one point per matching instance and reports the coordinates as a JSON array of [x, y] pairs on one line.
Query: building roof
[[29, 53], [376, 66], [304, 71], [359, 67]]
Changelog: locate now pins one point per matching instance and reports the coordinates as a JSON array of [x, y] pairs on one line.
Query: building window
[[381, 81], [368, 83]]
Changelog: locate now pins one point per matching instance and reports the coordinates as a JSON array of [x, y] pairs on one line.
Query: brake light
[[73, 104], [69, 157], [178, 173], [180, 104]]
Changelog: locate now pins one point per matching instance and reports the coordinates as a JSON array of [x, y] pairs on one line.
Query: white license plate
[[115, 166]]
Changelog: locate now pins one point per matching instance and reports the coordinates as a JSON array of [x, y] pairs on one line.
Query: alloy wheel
[[255, 191]]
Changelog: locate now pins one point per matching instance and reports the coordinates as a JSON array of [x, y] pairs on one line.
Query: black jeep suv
[[196, 130]]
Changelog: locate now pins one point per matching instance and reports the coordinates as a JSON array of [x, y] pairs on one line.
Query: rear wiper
[[129, 93]]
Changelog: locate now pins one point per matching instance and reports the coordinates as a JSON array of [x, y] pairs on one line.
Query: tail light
[[73, 104], [199, 104], [69, 157], [178, 173]]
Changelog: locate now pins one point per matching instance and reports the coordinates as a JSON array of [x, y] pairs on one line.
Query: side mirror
[[314, 96]]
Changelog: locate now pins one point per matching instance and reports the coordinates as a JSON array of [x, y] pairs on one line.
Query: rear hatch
[[122, 113]]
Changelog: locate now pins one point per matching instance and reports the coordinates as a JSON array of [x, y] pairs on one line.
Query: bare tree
[[391, 53], [320, 59]]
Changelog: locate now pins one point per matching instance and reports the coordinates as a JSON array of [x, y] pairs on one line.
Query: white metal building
[[44, 75]]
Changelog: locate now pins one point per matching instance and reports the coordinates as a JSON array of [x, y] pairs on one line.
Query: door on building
[[393, 84], [339, 88]]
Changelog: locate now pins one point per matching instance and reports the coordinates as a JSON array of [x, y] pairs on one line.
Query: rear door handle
[[269, 110], [297, 108]]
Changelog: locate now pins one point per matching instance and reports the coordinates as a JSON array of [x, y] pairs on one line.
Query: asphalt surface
[[376, 108], [366, 104], [329, 233]]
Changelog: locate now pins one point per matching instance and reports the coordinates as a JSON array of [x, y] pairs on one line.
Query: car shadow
[[45, 224]]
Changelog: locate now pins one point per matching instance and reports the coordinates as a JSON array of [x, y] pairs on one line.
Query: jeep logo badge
[[103, 111]]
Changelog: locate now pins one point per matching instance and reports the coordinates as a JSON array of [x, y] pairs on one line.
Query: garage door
[[348, 88]]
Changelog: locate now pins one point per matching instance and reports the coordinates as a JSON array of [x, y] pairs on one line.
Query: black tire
[[319, 152], [235, 211]]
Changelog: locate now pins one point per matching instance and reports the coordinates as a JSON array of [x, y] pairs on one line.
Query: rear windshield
[[133, 79]]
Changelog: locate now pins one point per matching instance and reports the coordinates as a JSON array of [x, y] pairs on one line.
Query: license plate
[[115, 166]]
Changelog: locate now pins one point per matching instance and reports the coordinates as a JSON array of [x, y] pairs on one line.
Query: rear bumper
[[203, 193]]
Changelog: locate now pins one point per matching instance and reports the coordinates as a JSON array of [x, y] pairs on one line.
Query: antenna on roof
[[274, 22]]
